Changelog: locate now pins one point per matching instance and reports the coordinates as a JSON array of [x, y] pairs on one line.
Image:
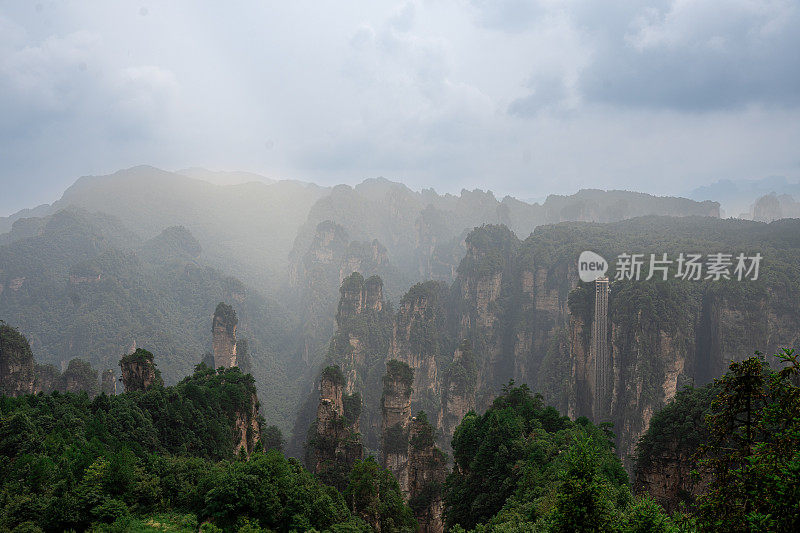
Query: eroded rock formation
[[224, 336], [459, 394], [360, 345], [20, 374], [247, 424], [335, 443], [420, 339], [139, 372], [396, 416], [108, 382], [409, 449], [427, 470], [668, 478], [16, 363], [318, 273]]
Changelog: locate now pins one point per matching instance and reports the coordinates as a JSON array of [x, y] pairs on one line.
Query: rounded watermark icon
[[591, 266]]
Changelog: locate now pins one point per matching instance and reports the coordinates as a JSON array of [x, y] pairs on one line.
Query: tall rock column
[[396, 411], [224, 336], [335, 442], [459, 392], [360, 344], [427, 469], [419, 338], [409, 449], [138, 371]]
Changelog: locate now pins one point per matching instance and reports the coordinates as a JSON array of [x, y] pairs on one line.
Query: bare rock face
[[668, 480], [16, 363], [358, 295], [335, 444], [224, 336], [427, 470], [139, 373], [396, 415], [78, 376], [459, 395], [317, 274], [409, 449], [248, 427], [20, 374], [360, 304], [582, 367], [108, 382], [47, 377]]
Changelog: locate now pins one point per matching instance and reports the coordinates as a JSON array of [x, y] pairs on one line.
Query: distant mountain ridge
[[251, 227], [737, 197]]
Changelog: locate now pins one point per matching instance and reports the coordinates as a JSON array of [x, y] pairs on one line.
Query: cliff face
[[409, 450], [139, 373], [79, 376], [427, 470], [16, 363], [46, 378], [396, 415], [459, 394], [247, 427], [651, 343], [20, 374], [668, 478], [335, 443], [664, 336], [666, 450], [524, 316], [486, 306], [420, 339], [224, 336], [317, 274], [360, 345], [108, 382], [521, 306]]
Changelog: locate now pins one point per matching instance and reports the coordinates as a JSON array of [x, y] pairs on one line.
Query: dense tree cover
[[741, 436], [751, 457], [374, 494], [521, 466], [679, 424], [227, 315], [71, 462]]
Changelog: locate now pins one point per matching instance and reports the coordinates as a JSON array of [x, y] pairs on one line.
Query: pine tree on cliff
[[753, 452]]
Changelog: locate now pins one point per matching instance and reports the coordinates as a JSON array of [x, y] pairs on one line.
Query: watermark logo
[[689, 266], [591, 266]]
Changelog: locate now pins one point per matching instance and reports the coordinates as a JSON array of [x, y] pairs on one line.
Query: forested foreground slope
[[165, 458]]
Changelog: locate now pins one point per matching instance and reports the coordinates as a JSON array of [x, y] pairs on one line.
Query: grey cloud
[[685, 56], [508, 15], [548, 93], [527, 98], [693, 56]]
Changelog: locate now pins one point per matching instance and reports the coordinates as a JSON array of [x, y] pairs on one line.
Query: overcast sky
[[523, 98]]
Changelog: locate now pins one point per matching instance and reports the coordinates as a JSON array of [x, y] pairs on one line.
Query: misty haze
[[428, 266]]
